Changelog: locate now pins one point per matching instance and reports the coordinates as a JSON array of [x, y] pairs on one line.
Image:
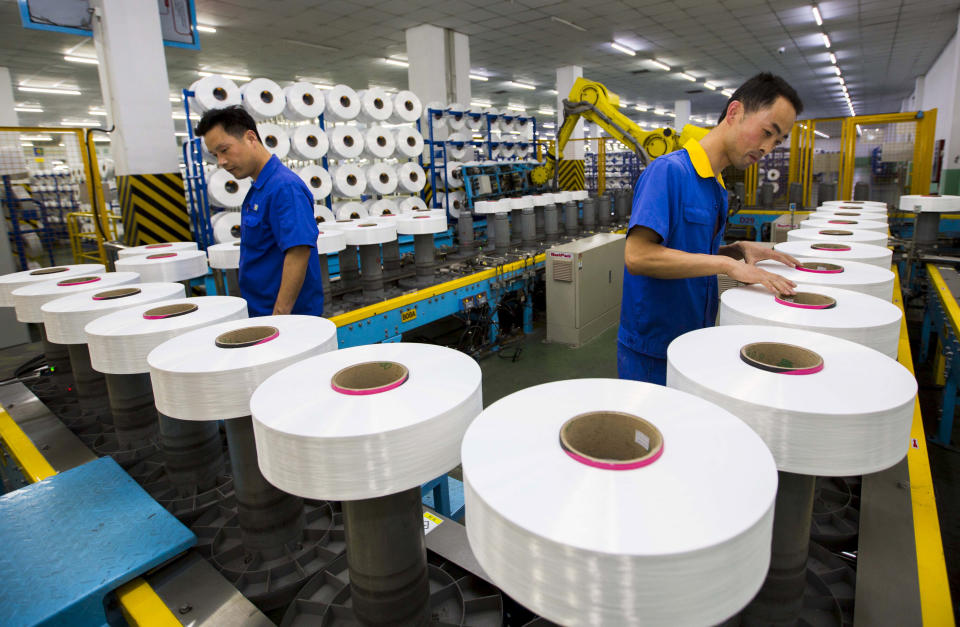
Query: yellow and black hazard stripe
[[570, 175], [427, 193], [154, 208]]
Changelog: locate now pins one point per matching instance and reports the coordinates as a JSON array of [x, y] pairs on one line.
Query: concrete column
[[439, 64], [133, 79], [682, 109], [565, 78], [11, 331]]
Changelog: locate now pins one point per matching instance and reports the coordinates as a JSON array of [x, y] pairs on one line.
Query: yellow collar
[[701, 162]]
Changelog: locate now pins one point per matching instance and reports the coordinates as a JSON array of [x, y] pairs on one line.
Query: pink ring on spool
[[152, 246], [611, 440], [80, 280], [780, 358], [161, 256], [371, 377], [247, 336], [169, 311], [807, 300], [819, 268]]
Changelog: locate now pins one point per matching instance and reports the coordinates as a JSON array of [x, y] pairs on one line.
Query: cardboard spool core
[[315, 182], [78, 280], [43, 271], [381, 141], [835, 232], [219, 93], [247, 336], [152, 246], [408, 105], [411, 141], [122, 292], [235, 230], [271, 141], [266, 96], [611, 439], [307, 99], [347, 141], [162, 256], [378, 103], [414, 177], [781, 358], [844, 222], [312, 141], [351, 179], [819, 266], [369, 377], [344, 101], [808, 300], [848, 213], [236, 244], [384, 177], [232, 187], [365, 225], [833, 247], [169, 311]]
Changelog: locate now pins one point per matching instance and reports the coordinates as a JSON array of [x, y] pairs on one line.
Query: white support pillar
[[136, 90], [565, 78], [439, 64], [8, 117], [682, 109]]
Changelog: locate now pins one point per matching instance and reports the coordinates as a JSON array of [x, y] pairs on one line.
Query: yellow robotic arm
[[592, 101]]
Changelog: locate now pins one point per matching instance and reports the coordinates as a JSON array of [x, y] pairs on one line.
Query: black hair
[[233, 120], [762, 91]]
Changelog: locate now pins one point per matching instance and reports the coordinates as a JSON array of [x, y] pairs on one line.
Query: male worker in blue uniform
[[673, 249], [279, 266]]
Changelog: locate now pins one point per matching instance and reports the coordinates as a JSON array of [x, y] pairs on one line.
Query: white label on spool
[[642, 439], [430, 522]]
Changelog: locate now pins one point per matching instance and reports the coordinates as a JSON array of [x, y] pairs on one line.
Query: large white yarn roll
[[454, 174], [227, 228], [474, 122], [263, 99], [409, 142], [406, 107], [224, 256], [330, 241], [317, 179], [832, 213], [120, 342], [147, 249], [342, 104], [412, 203], [349, 180], [864, 253], [346, 142], [10, 282], [318, 437], [323, 215], [305, 101], [194, 378], [275, 139], [381, 178], [850, 315], [410, 177], [161, 267], [434, 110], [933, 204], [375, 105], [225, 190], [309, 142], [838, 235], [214, 92], [456, 116], [28, 299], [682, 540], [383, 207], [65, 318], [379, 142], [454, 203], [848, 275], [349, 211], [410, 224], [366, 232], [851, 417], [844, 223], [854, 204]]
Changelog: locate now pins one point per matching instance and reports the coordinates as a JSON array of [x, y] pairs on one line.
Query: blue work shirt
[[680, 198], [277, 215]]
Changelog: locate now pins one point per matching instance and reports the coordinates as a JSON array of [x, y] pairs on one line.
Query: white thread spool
[[346, 142], [840, 236], [413, 203], [323, 215], [383, 207], [214, 92], [406, 107], [274, 139], [318, 181], [10, 282], [381, 178], [410, 177], [263, 99], [224, 256], [865, 253], [148, 249], [454, 203], [304, 101], [28, 299], [411, 224], [367, 232], [849, 275], [378, 142], [454, 175], [845, 223], [349, 180], [409, 142], [349, 211], [309, 142], [375, 105], [225, 190], [162, 267], [342, 104], [227, 228]]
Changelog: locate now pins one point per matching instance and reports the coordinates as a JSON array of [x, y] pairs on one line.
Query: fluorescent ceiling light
[[203, 28], [833, 58], [727, 92], [478, 77], [50, 90], [98, 112], [823, 135], [101, 138], [28, 109], [659, 64], [826, 40], [548, 125], [396, 62], [836, 69], [660, 111], [79, 123], [309, 44], [686, 77], [174, 98], [521, 85], [670, 114], [233, 77], [816, 15], [623, 49], [482, 104], [26, 144], [180, 135], [546, 111], [640, 107], [36, 138], [560, 20], [75, 59], [552, 91], [514, 107], [859, 130], [183, 116], [710, 86]]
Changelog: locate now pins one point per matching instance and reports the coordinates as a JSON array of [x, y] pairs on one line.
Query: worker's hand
[[753, 252], [749, 273], [281, 309]]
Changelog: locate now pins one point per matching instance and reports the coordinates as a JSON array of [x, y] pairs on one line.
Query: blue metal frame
[[16, 214], [28, 23], [935, 323]]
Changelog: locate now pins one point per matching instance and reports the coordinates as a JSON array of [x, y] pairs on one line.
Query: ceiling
[[881, 46]]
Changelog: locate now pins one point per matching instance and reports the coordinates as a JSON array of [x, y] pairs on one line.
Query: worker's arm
[[752, 252], [295, 262], [647, 256]]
